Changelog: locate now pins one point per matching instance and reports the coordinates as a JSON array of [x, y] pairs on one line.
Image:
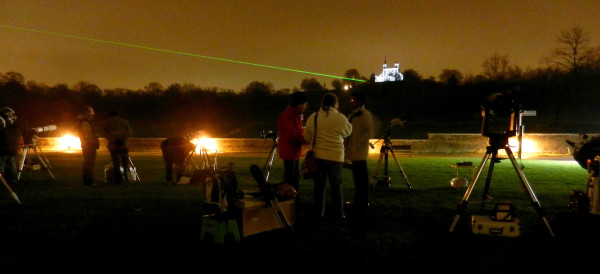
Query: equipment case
[[482, 224]]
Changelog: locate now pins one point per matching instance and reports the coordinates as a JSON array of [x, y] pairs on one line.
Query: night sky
[[131, 43]]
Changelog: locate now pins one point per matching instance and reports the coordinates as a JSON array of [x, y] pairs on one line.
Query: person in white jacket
[[329, 132]]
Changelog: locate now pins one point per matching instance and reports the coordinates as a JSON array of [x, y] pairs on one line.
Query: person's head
[[330, 101], [298, 100], [357, 99], [88, 112], [9, 115]]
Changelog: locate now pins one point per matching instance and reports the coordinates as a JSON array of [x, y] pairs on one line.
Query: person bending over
[[175, 151]]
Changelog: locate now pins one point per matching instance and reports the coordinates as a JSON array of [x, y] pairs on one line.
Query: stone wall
[[435, 144]]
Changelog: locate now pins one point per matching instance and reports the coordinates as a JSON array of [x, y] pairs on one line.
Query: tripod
[[496, 142], [129, 173], [269, 163], [270, 198], [12, 193], [133, 171], [191, 171], [205, 160], [26, 161], [386, 149]]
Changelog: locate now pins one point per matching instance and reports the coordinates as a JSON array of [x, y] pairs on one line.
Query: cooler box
[[257, 217], [482, 224]]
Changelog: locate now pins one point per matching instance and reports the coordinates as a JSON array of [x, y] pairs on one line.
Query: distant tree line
[[564, 94]]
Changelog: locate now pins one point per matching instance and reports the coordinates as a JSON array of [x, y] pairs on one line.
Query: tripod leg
[[135, 174], [267, 167], [12, 193], [377, 166], [42, 162], [22, 162], [280, 214], [465, 199], [44, 158], [188, 158], [488, 180], [385, 164], [401, 170], [529, 190]]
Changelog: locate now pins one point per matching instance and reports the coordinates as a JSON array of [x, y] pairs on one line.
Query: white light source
[[68, 142]]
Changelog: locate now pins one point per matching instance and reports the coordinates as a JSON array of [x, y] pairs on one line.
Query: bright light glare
[[67, 143], [209, 144], [527, 145]]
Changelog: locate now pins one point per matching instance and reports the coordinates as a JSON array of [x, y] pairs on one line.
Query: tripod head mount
[[387, 141], [269, 134], [499, 141]]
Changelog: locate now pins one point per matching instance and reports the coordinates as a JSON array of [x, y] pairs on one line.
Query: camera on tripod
[[499, 115], [30, 135], [268, 134]]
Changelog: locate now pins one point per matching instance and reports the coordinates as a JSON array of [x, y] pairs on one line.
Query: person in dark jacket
[[175, 151], [118, 131], [357, 149], [89, 143], [11, 141]]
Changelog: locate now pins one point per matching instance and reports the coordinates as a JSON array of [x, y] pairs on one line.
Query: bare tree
[[451, 76], [310, 84], [84, 86], [496, 67], [13, 77], [352, 74], [337, 84], [154, 88], [574, 50], [256, 87], [412, 75]]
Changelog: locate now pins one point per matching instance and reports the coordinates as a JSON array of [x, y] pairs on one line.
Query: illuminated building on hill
[[389, 74]]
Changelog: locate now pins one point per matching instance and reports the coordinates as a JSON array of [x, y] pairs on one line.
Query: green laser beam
[[176, 52]]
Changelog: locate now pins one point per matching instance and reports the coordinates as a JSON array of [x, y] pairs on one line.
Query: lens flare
[[68, 142]]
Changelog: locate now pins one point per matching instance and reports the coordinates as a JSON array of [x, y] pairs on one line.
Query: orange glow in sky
[[426, 36]]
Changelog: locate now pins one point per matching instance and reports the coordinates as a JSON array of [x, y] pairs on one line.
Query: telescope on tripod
[[386, 149], [499, 123], [27, 161]]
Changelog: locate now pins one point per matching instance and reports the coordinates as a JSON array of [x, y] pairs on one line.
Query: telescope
[[30, 135], [42, 129], [499, 116]]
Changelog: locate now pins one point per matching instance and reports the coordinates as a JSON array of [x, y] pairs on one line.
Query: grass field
[[150, 226]]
